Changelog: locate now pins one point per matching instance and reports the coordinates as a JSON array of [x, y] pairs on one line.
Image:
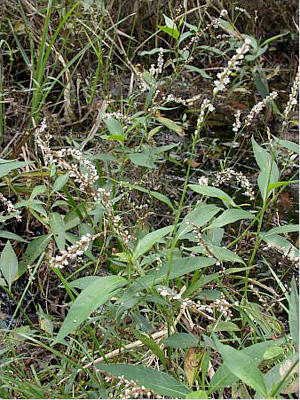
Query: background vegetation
[[149, 199]]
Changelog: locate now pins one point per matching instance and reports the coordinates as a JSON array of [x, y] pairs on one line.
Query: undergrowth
[[148, 200]]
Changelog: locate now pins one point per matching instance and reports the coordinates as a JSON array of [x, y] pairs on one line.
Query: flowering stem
[[257, 244], [204, 113], [231, 148]]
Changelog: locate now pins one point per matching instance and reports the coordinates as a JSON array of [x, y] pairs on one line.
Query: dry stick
[[96, 125], [129, 346], [137, 343]]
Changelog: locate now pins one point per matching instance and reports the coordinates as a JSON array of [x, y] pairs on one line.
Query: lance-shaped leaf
[[92, 297]]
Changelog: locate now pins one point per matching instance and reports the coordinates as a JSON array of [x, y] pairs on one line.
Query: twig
[[137, 343]]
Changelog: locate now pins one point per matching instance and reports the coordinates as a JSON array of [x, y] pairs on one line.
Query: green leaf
[[294, 312], [8, 165], [281, 229], [271, 39], [33, 251], [170, 28], [82, 283], [40, 189], [58, 229], [161, 197], [201, 72], [279, 184], [214, 50], [74, 217], [269, 172], [223, 326], [120, 138], [199, 394], [145, 159], [153, 346], [148, 241], [92, 297], [162, 149], [60, 182], [28, 203], [182, 341], [179, 267], [39, 208], [243, 367], [221, 253], [157, 195], [2, 282], [13, 236], [212, 191], [224, 377], [160, 382], [184, 36], [260, 80], [142, 322], [230, 216], [173, 126], [169, 22], [9, 264], [114, 126], [294, 147], [199, 216], [281, 244], [278, 377], [273, 352]]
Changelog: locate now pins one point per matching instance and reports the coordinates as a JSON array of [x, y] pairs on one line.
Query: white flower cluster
[[131, 389], [203, 180], [171, 98], [209, 252], [258, 107], [119, 116], [206, 104], [85, 180], [229, 174], [292, 99], [72, 252], [160, 61], [237, 124], [10, 208], [42, 127], [242, 10], [289, 253], [261, 299], [215, 23], [141, 82], [103, 197], [155, 71], [93, 175], [221, 305], [233, 65]]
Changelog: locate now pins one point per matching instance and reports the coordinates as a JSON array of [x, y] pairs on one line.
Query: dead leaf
[[173, 126], [285, 368], [292, 387], [192, 364], [46, 325], [19, 28], [193, 163]]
